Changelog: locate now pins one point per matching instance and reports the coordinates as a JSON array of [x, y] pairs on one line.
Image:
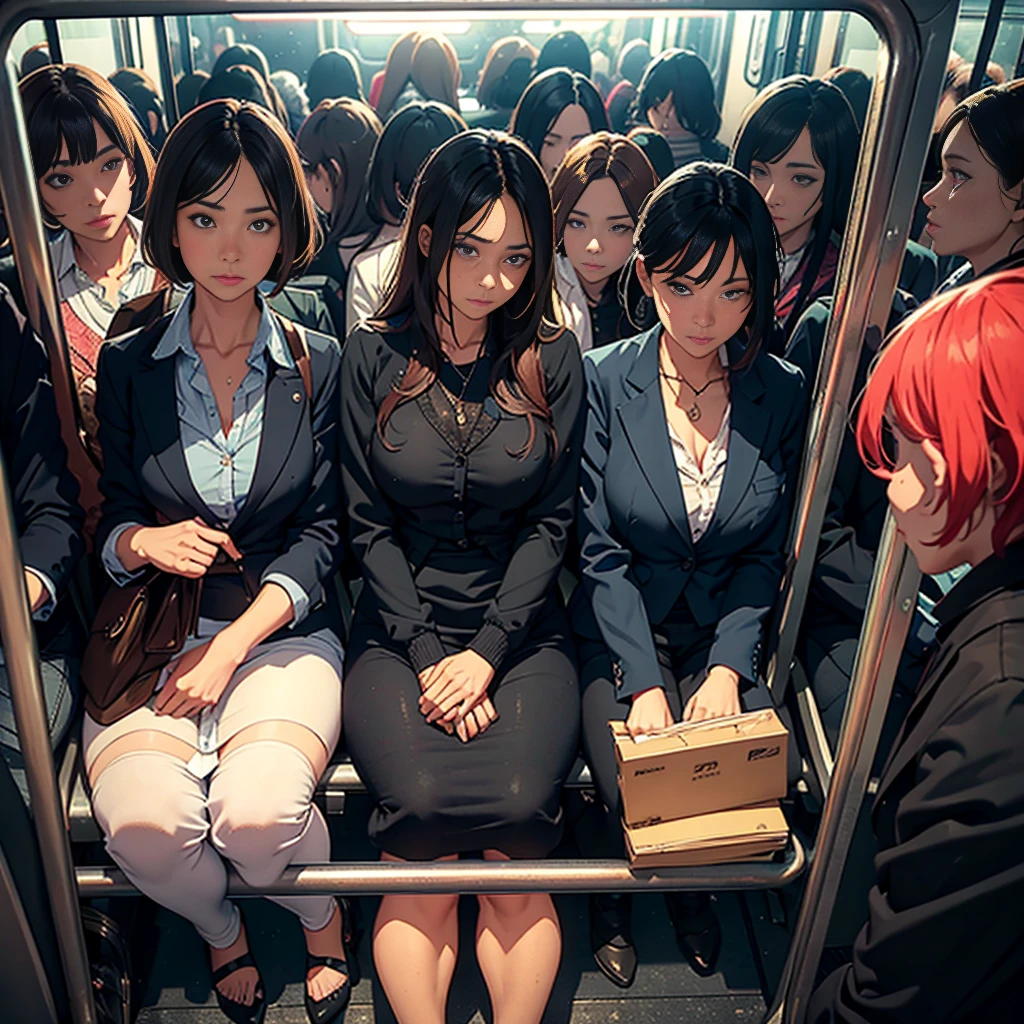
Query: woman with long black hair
[[462, 422], [690, 457]]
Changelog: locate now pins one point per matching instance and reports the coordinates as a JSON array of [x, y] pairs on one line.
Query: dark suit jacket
[[43, 490], [290, 520], [945, 938], [637, 556]]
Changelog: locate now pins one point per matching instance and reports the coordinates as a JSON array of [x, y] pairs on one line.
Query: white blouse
[[702, 484], [571, 306]]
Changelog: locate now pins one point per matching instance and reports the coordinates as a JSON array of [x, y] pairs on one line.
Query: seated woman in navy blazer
[[691, 453], [220, 439]]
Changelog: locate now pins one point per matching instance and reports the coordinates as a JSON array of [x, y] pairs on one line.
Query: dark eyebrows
[[956, 156], [259, 209], [552, 135], [490, 241], [102, 152], [812, 167], [217, 206], [577, 212]]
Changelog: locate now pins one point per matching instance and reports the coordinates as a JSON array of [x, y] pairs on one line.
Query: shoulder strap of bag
[[295, 335]]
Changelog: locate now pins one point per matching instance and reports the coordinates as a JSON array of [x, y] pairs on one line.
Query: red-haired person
[[942, 419]]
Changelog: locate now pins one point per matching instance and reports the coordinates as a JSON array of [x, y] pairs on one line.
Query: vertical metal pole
[[118, 40], [163, 45], [890, 609], [185, 44], [985, 44], [19, 645], [53, 41]]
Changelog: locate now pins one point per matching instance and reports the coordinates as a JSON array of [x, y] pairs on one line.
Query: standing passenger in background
[[432, 73], [93, 168], [557, 110], [566, 50], [656, 149], [143, 98], [247, 55], [462, 418], [690, 460], [677, 96], [855, 86], [597, 195], [405, 145], [397, 64], [187, 88], [503, 78], [798, 143], [237, 82], [336, 143], [976, 210], [633, 60], [293, 96], [333, 75]]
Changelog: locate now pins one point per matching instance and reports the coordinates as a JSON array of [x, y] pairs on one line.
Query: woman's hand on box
[[650, 712], [718, 696]]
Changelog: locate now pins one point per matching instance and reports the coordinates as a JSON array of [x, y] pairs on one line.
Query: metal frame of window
[[915, 37]]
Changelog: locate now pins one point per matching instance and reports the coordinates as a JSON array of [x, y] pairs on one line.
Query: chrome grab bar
[[479, 876]]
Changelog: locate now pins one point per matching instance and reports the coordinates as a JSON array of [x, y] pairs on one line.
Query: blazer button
[[460, 460], [296, 397], [687, 564]]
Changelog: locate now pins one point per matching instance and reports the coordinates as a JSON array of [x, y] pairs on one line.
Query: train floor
[[176, 987]]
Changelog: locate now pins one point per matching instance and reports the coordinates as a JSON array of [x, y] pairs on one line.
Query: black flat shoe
[[238, 1012], [611, 937], [698, 933], [332, 1007]]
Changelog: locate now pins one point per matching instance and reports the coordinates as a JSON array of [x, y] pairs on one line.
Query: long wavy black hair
[[701, 208], [460, 184]]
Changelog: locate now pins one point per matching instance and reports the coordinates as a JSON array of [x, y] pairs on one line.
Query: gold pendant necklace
[[693, 413]]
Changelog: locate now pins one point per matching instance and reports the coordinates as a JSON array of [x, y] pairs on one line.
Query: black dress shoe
[[331, 1008], [698, 933], [611, 937]]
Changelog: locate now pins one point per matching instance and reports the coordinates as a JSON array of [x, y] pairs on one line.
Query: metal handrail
[[891, 606], [480, 876]]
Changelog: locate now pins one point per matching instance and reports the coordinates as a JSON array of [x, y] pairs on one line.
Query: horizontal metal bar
[[478, 876]]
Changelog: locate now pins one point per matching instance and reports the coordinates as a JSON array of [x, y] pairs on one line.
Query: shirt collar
[[62, 251], [982, 581], [269, 336]]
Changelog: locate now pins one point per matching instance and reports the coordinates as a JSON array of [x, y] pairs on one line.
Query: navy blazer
[[637, 555], [290, 520], [44, 493]]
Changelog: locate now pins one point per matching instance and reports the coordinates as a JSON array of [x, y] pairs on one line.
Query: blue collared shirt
[[221, 467]]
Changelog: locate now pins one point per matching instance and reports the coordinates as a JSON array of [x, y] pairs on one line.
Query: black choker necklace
[[694, 411]]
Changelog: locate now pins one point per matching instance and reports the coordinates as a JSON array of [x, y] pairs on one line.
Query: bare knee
[[431, 912], [510, 905]]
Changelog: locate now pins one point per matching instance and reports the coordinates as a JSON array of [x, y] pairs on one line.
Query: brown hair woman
[[432, 73]]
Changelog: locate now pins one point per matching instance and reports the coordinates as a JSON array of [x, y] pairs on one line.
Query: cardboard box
[[696, 768], [722, 837]]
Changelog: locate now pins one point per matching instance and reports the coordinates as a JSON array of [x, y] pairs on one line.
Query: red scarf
[[822, 283]]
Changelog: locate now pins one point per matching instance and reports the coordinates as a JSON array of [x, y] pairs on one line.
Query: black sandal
[[332, 1006], [238, 1012]]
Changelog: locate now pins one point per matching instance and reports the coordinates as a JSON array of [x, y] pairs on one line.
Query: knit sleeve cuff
[[425, 650], [491, 643]]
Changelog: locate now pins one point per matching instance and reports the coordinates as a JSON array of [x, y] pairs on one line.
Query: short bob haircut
[[601, 155], [995, 119], [951, 374], [684, 74], [656, 149], [60, 102], [408, 139], [201, 154], [544, 100], [698, 209], [771, 125], [460, 184], [347, 131]]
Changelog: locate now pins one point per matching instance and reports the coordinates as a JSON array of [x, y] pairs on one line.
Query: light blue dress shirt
[[221, 467]]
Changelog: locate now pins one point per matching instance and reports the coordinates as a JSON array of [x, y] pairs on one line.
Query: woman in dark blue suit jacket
[[691, 454]]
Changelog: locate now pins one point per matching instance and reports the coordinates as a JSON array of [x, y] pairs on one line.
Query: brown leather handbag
[[139, 628]]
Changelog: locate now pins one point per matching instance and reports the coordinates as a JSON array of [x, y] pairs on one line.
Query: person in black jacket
[[219, 433], [47, 517], [461, 430], [942, 420]]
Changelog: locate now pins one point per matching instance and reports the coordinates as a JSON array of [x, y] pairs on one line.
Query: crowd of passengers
[[540, 379]]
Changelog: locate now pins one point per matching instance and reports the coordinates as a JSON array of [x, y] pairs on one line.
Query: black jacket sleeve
[[43, 490], [547, 521], [406, 617], [945, 928]]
